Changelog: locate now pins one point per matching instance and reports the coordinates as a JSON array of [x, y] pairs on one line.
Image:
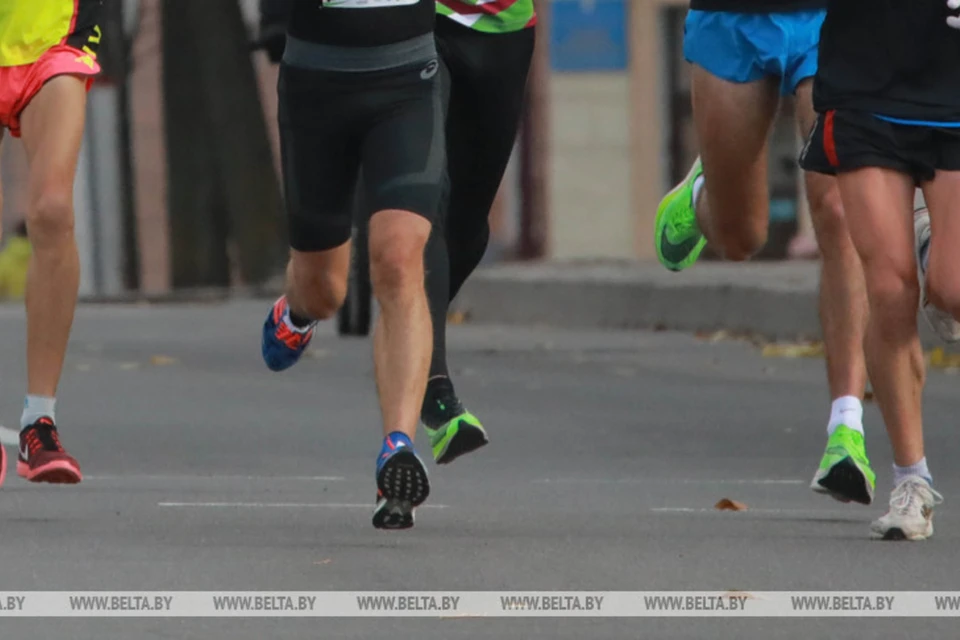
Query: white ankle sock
[[847, 411], [36, 407], [916, 469], [287, 320], [697, 188]]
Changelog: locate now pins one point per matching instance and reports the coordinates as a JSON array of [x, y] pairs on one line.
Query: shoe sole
[[844, 482], [393, 515], [467, 439], [56, 472], [403, 485], [896, 534]]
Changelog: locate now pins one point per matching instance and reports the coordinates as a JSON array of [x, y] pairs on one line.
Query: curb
[[775, 301]]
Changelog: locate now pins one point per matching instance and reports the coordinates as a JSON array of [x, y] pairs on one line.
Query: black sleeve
[[274, 18]]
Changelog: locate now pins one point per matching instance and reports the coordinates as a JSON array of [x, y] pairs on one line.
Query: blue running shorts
[[745, 47]]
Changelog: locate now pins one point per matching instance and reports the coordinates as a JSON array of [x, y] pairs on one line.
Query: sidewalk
[[775, 300]]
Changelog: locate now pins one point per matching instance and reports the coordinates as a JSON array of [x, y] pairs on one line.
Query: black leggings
[[487, 82]]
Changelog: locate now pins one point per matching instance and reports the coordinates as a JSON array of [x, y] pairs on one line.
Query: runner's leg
[[321, 161], [52, 131], [733, 122], [487, 74], [487, 77], [844, 470], [404, 155], [878, 165], [488, 87], [724, 199], [843, 296], [403, 164], [402, 336], [317, 281], [943, 268], [878, 203], [401, 340]]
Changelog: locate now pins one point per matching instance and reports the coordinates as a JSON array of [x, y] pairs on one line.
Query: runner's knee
[[738, 241], [396, 263], [50, 219], [830, 225], [894, 294]]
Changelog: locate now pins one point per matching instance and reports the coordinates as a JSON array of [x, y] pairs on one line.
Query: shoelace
[[293, 339], [912, 494], [43, 437], [685, 227], [848, 444]]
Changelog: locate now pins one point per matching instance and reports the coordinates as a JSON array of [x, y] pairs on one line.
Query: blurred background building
[[177, 186]]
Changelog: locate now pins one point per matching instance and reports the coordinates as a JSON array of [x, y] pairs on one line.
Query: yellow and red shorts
[[20, 84]]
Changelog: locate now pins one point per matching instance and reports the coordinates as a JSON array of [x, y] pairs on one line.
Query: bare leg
[[733, 122], [317, 281], [843, 295], [943, 269], [402, 339], [52, 129], [878, 203]]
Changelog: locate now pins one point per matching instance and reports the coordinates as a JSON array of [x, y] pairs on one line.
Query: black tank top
[[897, 58], [361, 23]]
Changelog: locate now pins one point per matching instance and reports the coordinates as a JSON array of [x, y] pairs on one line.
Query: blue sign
[[588, 35]]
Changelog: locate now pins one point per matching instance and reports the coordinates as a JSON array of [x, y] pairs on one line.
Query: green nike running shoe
[[677, 235], [461, 435], [845, 472], [453, 430]]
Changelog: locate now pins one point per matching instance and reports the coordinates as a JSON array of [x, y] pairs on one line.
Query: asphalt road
[[207, 472]]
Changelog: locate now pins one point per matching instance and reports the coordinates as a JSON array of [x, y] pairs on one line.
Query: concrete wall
[[590, 179]]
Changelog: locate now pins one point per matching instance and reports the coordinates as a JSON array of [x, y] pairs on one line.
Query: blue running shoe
[[283, 343], [402, 483]]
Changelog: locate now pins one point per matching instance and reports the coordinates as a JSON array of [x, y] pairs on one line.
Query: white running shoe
[[942, 322], [911, 512]]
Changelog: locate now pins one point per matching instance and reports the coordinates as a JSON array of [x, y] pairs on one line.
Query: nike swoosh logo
[[25, 453], [677, 252]]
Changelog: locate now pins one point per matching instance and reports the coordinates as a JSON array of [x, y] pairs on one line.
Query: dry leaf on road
[[730, 505], [787, 350]]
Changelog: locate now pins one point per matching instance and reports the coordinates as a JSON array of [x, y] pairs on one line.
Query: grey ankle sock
[[915, 469]]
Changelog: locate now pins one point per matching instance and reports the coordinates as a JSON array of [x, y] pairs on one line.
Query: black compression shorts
[[333, 124]]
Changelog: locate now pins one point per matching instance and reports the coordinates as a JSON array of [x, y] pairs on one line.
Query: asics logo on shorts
[[430, 70]]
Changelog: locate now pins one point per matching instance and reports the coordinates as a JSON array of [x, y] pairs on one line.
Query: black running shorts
[[333, 124], [845, 140]]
